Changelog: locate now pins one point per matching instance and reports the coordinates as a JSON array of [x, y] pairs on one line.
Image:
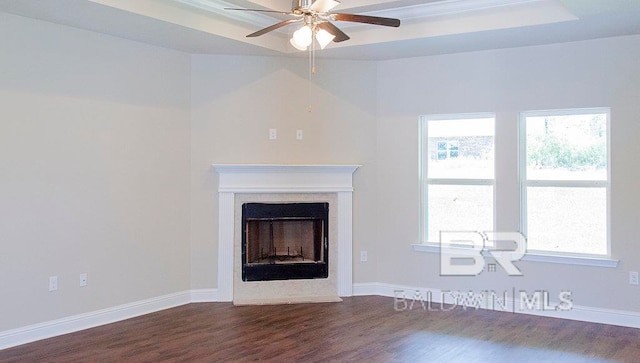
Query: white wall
[[584, 74], [94, 171], [235, 100]]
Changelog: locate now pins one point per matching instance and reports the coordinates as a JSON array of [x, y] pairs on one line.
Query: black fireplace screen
[[282, 241]]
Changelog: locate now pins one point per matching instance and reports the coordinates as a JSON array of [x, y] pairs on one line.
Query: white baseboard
[[577, 312], [31, 333], [205, 295]]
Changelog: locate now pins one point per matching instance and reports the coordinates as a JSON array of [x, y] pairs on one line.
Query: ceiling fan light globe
[[324, 38], [302, 37], [295, 45]]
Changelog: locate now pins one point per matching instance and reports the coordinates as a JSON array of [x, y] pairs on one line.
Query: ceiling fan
[[317, 21]]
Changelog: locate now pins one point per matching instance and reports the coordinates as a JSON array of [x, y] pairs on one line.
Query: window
[[457, 174], [564, 169]]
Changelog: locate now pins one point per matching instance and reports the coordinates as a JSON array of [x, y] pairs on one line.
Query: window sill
[[539, 257]]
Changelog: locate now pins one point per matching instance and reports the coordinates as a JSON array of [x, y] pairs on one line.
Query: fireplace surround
[[242, 184]]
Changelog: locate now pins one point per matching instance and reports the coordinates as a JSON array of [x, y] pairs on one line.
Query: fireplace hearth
[[285, 241]]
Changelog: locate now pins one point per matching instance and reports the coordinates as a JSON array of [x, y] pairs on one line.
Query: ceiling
[[428, 27]]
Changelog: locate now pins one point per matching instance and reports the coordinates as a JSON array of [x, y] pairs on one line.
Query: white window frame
[[524, 183], [425, 181]]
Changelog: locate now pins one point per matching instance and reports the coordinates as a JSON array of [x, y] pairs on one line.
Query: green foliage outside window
[[582, 147]]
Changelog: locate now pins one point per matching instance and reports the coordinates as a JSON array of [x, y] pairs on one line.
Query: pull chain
[[312, 71]]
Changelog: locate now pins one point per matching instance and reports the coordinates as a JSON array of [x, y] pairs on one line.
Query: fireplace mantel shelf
[[284, 168], [281, 178]]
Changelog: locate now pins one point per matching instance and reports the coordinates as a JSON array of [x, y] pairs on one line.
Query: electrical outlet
[[363, 256], [299, 135], [273, 134], [633, 277], [83, 280], [53, 283]]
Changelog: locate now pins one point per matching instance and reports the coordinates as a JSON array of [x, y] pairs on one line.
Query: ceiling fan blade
[[273, 27], [340, 36], [376, 20], [261, 11], [322, 6]]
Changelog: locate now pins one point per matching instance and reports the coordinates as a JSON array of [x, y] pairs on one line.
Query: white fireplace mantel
[[271, 178]]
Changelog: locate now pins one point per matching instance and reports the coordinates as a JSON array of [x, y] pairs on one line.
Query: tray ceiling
[[428, 27]]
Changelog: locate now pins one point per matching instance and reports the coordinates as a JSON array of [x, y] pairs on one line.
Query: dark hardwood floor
[[359, 329]]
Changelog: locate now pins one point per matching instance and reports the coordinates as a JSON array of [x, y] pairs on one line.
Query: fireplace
[[241, 184], [285, 241]]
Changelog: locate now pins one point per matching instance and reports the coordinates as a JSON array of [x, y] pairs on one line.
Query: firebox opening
[[282, 241]]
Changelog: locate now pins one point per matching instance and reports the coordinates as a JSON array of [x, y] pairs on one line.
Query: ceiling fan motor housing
[[301, 4]]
